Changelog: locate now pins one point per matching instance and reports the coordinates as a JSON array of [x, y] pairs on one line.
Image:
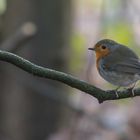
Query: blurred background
[[56, 34]]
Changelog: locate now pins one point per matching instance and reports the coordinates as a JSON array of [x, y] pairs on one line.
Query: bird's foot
[[132, 91], [116, 93], [132, 88]]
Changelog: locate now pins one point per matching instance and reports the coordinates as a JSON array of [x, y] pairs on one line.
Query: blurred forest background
[[56, 34]]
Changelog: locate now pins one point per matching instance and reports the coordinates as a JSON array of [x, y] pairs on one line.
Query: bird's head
[[104, 47]]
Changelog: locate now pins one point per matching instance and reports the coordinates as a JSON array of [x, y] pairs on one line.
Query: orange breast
[[100, 55]]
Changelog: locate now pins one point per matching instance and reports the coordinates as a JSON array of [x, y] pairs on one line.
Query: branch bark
[[34, 69]]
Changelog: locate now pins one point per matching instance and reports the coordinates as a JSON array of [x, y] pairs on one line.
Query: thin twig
[[20, 37], [64, 78]]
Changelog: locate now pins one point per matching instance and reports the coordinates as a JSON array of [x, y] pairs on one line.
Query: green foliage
[[77, 52], [121, 32], [2, 6]]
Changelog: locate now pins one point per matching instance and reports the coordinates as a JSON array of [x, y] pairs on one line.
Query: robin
[[117, 64]]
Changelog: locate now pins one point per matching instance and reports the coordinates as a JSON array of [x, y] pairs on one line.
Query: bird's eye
[[103, 47]]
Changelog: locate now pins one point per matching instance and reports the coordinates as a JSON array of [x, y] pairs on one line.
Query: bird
[[117, 64]]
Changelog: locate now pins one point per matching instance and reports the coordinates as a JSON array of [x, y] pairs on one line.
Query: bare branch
[[21, 36], [64, 78]]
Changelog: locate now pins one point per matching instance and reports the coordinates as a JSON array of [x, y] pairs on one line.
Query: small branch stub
[[20, 37]]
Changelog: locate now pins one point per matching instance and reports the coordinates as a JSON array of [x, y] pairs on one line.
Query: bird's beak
[[93, 49]]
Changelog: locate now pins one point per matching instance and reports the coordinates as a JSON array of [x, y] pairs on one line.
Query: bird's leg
[[116, 92], [133, 93], [132, 89]]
